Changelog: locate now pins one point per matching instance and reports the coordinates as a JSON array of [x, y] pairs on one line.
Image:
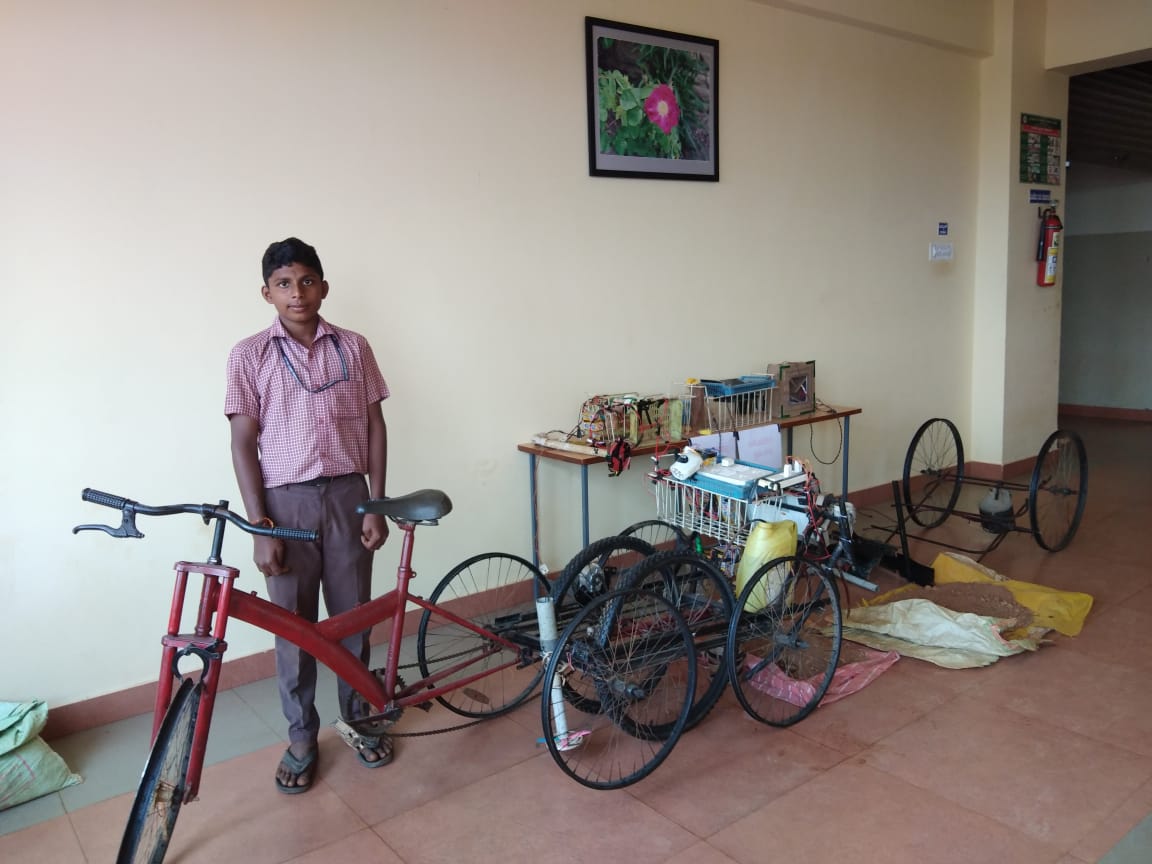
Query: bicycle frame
[[218, 603]]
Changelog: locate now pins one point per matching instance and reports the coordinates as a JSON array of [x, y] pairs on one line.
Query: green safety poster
[[1039, 149]]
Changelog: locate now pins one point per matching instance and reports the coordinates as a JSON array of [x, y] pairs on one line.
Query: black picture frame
[[652, 102]]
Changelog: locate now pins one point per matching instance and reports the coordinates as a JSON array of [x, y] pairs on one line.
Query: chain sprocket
[[371, 725]]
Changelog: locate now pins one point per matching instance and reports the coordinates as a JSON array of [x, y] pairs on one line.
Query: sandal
[[298, 768], [383, 748]]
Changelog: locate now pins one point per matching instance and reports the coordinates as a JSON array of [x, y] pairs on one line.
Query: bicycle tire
[[784, 640], [701, 594], [618, 647], [937, 453], [495, 591], [594, 570], [162, 785], [1058, 490], [664, 536]]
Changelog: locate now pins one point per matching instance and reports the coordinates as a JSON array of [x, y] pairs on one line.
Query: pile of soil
[[979, 598]]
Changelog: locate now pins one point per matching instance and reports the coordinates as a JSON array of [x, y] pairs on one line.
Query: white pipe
[[546, 617]]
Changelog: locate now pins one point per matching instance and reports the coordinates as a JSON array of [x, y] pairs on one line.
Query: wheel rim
[[629, 654], [1058, 491], [594, 571], [164, 782], [659, 534], [933, 470], [784, 643], [701, 594], [497, 591]]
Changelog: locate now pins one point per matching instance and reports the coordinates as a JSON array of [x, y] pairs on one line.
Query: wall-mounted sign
[[1039, 149], [1039, 196]]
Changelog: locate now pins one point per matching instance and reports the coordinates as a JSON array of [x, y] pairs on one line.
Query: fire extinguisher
[[1048, 249]]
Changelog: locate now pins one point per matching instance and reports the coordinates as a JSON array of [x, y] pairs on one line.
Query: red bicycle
[[479, 649]]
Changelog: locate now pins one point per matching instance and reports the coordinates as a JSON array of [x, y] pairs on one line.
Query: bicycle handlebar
[[207, 512]]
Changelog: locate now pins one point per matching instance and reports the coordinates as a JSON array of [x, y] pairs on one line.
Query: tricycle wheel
[[933, 472], [1058, 490]]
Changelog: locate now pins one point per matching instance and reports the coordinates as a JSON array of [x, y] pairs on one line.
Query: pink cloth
[[847, 679]]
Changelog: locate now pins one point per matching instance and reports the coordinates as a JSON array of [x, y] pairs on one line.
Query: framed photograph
[[652, 108]]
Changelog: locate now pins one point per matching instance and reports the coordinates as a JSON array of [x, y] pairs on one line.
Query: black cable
[[812, 436]]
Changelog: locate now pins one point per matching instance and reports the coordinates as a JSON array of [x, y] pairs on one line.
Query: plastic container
[[766, 541]]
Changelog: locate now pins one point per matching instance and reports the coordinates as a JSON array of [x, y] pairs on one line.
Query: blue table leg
[[584, 503]]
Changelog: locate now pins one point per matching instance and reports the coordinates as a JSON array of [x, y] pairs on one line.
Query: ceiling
[[1110, 118]]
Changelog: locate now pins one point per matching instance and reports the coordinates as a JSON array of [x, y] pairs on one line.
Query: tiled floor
[[1043, 758]]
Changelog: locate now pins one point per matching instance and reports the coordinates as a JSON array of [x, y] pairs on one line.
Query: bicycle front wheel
[[784, 641], [610, 711], [163, 784], [496, 592]]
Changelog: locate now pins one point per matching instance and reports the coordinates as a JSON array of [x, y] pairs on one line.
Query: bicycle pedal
[[351, 737]]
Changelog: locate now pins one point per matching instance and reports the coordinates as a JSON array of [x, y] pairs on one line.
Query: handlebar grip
[[296, 534], [103, 498]]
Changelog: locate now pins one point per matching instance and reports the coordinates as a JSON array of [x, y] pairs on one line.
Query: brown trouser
[[337, 564]]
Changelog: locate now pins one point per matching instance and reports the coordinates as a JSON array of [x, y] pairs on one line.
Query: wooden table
[[583, 460], [822, 413], [536, 452]]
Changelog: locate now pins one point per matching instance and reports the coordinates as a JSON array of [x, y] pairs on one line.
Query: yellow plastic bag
[[766, 541], [1062, 611]]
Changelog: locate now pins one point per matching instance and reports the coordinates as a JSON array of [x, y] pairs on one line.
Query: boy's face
[[297, 292]]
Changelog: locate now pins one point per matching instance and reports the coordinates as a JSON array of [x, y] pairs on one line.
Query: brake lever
[[127, 526]]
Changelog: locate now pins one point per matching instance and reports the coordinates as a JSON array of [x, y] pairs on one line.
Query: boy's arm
[[269, 552], [375, 528]]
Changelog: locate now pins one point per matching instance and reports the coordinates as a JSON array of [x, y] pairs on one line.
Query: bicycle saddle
[[425, 505]]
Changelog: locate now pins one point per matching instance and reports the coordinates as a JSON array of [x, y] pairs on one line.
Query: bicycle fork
[[206, 643]]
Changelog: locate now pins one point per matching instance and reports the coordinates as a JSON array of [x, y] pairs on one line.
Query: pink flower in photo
[[662, 109]]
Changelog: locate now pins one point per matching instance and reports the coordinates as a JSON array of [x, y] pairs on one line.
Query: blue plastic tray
[[735, 386]]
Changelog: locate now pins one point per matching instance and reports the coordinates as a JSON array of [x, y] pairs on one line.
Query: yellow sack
[[766, 541], [1062, 611]]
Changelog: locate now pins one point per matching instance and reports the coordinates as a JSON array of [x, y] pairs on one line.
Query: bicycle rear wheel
[[162, 785], [496, 592], [784, 641], [615, 656], [701, 594]]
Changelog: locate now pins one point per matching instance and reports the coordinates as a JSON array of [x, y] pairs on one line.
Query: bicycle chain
[[446, 728]]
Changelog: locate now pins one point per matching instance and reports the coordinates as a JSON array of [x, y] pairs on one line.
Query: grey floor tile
[[31, 813], [1135, 848]]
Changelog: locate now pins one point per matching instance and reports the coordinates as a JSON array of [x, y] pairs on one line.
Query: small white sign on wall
[[939, 251]]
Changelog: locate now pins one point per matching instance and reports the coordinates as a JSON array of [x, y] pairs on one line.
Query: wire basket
[[732, 404], [696, 510]]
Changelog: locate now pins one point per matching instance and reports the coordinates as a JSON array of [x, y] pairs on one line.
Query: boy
[[303, 402]]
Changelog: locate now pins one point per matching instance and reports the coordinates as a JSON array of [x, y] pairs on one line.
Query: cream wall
[[1084, 35], [436, 155]]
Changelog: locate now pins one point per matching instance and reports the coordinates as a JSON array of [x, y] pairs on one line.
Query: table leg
[[844, 483], [533, 514], [584, 503]]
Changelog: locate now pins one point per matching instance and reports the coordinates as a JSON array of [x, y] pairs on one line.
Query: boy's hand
[[374, 531], [269, 556]]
